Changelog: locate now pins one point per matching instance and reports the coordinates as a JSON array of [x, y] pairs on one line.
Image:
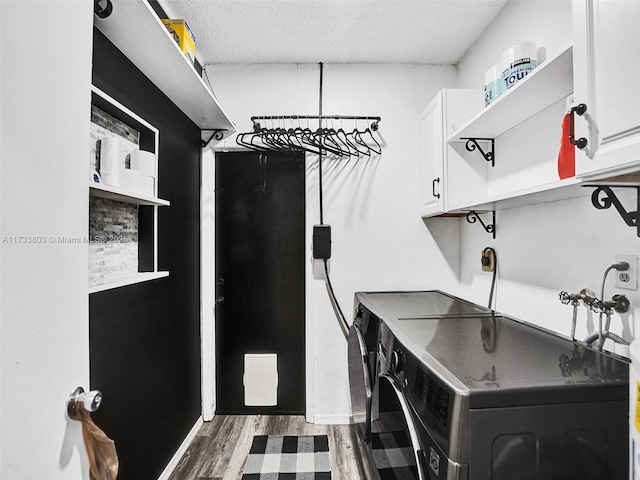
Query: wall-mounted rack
[[609, 199], [293, 133], [473, 217]]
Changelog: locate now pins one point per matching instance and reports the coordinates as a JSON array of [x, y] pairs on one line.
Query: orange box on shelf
[[181, 33]]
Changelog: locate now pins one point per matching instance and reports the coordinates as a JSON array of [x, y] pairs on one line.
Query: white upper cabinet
[[606, 72], [432, 157], [439, 161]]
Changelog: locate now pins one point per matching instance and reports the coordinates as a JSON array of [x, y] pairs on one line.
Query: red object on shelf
[[567, 153]]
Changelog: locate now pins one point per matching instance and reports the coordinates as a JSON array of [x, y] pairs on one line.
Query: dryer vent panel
[[260, 380]]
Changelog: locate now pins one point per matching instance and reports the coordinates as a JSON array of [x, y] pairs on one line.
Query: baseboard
[[173, 463], [332, 419]]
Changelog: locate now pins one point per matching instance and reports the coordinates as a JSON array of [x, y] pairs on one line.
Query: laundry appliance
[[458, 391]]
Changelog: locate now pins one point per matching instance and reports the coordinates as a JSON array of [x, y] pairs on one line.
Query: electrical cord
[[334, 302], [493, 278], [344, 326], [621, 267]]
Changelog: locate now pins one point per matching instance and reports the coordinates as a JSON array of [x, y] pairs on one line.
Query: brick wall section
[[113, 240]]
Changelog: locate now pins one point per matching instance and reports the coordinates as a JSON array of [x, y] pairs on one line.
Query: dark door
[[260, 268]]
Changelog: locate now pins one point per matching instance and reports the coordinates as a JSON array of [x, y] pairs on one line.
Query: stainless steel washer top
[[419, 304], [481, 353], [496, 397]]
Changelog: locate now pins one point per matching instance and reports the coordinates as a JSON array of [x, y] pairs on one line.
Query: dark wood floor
[[220, 449]]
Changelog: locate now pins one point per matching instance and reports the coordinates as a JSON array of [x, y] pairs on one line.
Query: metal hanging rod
[[270, 133], [374, 120], [315, 117]]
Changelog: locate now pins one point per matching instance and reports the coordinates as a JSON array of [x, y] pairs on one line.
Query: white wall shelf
[[547, 84], [135, 29], [552, 192], [114, 193], [129, 280], [149, 138]]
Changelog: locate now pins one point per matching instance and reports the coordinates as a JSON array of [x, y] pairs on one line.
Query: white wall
[[379, 241], [44, 146], [550, 247]]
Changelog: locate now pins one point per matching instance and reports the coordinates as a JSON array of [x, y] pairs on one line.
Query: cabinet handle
[[580, 110], [433, 187]]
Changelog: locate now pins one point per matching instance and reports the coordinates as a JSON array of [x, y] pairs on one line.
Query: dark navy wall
[[145, 338]]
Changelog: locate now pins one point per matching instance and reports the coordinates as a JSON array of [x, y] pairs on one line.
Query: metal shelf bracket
[[610, 199], [217, 135], [473, 217], [472, 144]]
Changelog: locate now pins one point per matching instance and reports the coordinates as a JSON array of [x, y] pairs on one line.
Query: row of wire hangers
[[287, 134]]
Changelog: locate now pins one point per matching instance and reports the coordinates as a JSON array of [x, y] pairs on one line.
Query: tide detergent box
[[181, 33]]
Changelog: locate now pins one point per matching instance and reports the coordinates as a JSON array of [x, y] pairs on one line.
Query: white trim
[[207, 284], [310, 308], [343, 419], [173, 463]]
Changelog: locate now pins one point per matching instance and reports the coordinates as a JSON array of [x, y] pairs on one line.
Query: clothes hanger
[[368, 130], [241, 140], [344, 138], [359, 142], [329, 143], [340, 141]]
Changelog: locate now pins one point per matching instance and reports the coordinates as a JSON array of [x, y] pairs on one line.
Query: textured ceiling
[[334, 31]]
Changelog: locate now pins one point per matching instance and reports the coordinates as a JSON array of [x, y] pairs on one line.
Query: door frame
[[207, 303], [207, 284]]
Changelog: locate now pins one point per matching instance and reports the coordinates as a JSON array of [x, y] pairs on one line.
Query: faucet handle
[[564, 298]]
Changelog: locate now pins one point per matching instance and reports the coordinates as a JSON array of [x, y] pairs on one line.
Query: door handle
[[219, 281], [580, 110], [433, 187], [219, 300]]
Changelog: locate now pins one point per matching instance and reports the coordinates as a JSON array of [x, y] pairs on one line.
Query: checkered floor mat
[[393, 456], [392, 451], [288, 458]]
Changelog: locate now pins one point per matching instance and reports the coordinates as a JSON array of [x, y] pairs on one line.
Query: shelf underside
[[128, 280], [113, 193]]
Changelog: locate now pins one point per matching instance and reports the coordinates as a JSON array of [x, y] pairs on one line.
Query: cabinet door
[[466, 175], [432, 157], [606, 72]]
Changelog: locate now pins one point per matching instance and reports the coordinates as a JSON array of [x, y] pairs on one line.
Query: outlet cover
[[627, 280]]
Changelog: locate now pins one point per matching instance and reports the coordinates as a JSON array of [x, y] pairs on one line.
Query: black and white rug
[[275, 457], [393, 456]]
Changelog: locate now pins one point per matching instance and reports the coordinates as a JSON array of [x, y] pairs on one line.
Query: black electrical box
[[322, 241]]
